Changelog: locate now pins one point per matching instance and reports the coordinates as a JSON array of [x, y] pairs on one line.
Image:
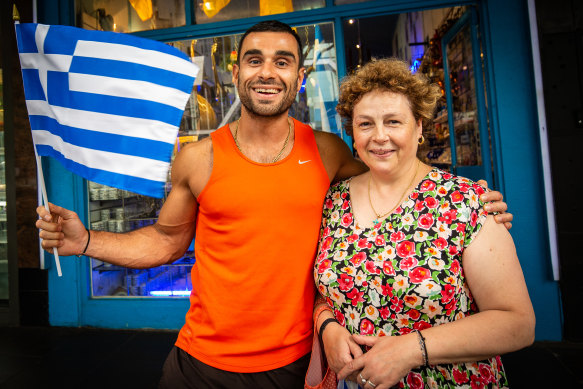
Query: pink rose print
[[453, 250], [352, 238], [324, 265], [460, 377], [419, 205], [415, 381], [358, 258], [447, 293], [455, 266], [427, 186], [479, 190], [414, 314], [464, 187], [457, 197], [388, 268], [421, 325], [473, 219], [340, 317], [476, 382], [325, 232], [419, 274], [345, 282], [448, 217], [440, 243], [327, 243], [425, 221], [355, 297], [408, 263], [447, 176], [486, 372], [329, 204], [397, 236], [346, 219], [380, 240], [366, 327], [363, 243], [345, 205], [461, 227], [431, 203], [405, 248], [372, 268]]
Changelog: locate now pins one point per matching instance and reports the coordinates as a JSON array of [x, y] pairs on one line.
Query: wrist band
[[423, 348], [87, 245], [323, 326], [319, 310]]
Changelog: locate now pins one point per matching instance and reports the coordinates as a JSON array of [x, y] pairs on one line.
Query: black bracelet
[[323, 326], [423, 348], [87, 245]]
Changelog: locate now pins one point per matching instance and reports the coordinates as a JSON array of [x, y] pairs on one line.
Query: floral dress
[[405, 272]]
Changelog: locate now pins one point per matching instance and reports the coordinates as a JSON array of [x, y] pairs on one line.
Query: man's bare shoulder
[[328, 140], [193, 164]]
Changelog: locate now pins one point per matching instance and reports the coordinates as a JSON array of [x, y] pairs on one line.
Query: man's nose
[[267, 71]]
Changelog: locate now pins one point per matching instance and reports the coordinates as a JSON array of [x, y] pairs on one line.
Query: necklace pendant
[[375, 222]]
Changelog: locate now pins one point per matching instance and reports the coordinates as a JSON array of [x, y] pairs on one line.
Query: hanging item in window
[[212, 7], [272, 7], [143, 8]]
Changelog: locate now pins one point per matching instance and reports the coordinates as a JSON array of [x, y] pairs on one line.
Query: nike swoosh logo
[[302, 162]]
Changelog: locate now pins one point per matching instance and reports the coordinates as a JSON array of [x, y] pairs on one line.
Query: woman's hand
[[389, 360], [340, 348], [494, 203]]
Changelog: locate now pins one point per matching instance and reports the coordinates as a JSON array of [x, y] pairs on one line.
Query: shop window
[[209, 11], [213, 103], [129, 15]]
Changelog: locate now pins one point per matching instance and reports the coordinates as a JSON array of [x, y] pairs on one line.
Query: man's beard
[[268, 110]]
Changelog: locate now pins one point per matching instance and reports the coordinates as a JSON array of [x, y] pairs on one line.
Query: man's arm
[[337, 158], [151, 246]]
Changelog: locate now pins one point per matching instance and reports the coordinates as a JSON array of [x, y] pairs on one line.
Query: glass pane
[[341, 2], [463, 91], [129, 16], [209, 11], [3, 225], [115, 210], [213, 102]]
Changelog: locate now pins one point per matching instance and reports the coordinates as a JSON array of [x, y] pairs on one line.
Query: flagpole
[[41, 177]]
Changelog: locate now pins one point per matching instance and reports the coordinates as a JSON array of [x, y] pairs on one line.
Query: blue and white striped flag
[[106, 105]]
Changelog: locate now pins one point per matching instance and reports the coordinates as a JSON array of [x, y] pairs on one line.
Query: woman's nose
[[380, 134]]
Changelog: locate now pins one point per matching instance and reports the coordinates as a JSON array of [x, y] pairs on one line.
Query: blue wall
[[512, 110]]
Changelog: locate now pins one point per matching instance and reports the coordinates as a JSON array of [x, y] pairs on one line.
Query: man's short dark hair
[[273, 26]]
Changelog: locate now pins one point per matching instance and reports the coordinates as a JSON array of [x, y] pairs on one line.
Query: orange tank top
[[256, 240]]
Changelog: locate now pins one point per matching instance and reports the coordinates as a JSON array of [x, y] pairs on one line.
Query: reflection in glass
[[3, 224], [463, 91], [213, 103], [129, 16], [210, 11]]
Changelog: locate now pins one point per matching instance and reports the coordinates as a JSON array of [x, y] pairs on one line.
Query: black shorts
[[182, 371]]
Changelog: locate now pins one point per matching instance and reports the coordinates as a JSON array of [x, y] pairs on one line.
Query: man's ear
[[235, 73], [301, 75]]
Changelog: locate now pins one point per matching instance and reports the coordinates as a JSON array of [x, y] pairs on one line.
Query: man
[[253, 195]]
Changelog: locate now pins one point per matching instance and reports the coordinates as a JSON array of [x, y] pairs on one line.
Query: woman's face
[[385, 132]]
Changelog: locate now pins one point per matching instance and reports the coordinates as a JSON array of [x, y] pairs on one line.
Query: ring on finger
[[362, 379], [371, 384]]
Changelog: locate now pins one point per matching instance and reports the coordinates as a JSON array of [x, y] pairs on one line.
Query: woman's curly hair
[[393, 75]]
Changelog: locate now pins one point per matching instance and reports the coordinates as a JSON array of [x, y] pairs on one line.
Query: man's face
[[268, 76]]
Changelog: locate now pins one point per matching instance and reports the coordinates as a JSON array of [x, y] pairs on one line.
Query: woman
[[418, 274]]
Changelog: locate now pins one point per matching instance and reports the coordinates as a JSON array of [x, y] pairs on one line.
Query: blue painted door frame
[[504, 30]]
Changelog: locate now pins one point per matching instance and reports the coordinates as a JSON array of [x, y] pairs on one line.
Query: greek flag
[[106, 105]]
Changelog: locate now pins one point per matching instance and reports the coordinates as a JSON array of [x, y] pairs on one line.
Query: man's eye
[[281, 63], [254, 62]]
